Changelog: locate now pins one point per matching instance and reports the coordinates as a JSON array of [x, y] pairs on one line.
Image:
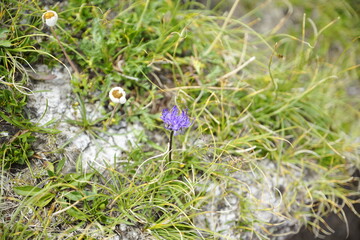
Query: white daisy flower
[[117, 95], [50, 18]]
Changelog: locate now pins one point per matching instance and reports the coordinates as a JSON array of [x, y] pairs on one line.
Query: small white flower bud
[[50, 18], [117, 95]]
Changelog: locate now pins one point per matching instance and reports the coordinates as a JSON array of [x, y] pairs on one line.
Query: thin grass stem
[[66, 55], [116, 108]]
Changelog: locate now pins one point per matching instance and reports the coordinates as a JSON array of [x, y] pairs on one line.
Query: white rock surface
[[53, 101], [264, 207]]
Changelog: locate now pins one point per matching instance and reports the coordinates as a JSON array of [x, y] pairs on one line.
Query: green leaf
[[49, 166], [5, 43], [76, 213], [41, 198], [3, 32], [81, 180], [73, 196], [13, 121], [44, 199], [60, 165], [27, 190], [71, 176]]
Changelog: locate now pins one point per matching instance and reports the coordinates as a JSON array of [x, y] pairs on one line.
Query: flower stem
[[66, 56], [116, 108], [170, 144]]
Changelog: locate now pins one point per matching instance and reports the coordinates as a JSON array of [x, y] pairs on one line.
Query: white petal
[[50, 18], [114, 99], [123, 100]]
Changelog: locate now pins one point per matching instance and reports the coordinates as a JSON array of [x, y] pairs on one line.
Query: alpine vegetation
[[257, 146]]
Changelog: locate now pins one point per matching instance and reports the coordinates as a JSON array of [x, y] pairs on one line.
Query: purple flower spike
[[174, 121]]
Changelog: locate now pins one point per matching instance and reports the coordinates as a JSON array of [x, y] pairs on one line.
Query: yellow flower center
[[49, 15], [117, 94]]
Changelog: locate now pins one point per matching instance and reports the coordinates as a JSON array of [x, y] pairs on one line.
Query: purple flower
[[174, 121]]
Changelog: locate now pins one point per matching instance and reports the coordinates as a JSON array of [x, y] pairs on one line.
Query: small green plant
[[18, 32], [16, 147], [84, 122], [18, 150]]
